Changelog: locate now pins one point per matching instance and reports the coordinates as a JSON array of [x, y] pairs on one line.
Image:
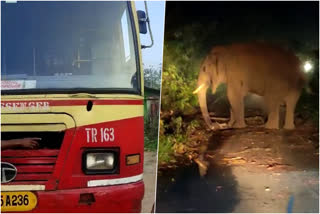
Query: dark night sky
[[297, 21]]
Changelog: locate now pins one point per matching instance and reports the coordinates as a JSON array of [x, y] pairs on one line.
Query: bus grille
[[33, 166]]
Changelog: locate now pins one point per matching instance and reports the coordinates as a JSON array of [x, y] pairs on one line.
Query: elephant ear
[[214, 60], [206, 65]]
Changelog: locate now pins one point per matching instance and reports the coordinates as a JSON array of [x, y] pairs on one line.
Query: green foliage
[[165, 152], [151, 135], [150, 143], [179, 136], [176, 124], [183, 52], [193, 125], [177, 90], [180, 72]]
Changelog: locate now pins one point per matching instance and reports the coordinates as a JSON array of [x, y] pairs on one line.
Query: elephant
[[264, 69]]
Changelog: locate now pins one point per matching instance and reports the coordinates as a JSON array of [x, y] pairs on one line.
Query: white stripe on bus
[[108, 182], [92, 183], [5, 188]]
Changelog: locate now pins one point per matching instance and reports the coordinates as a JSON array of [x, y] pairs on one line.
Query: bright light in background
[[307, 66]]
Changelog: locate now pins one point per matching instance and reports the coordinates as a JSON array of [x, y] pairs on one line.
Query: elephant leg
[[232, 120], [291, 101], [273, 116], [237, 109]]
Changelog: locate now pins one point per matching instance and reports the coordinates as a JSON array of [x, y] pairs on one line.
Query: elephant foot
[[289, 127], [271, 126], [239, 125], [230, 123]]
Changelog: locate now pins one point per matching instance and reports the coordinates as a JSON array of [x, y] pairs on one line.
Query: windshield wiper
[[82, 95]]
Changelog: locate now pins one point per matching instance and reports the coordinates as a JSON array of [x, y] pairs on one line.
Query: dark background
[[293, 23]]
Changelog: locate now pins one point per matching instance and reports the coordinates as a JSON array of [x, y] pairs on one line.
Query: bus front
[[72, 83]]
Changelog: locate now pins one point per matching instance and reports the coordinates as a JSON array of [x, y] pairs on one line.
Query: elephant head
[[212, 73]]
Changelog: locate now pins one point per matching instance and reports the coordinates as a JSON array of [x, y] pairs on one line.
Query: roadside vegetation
[[151, 136], [182, 57], [152, 79]]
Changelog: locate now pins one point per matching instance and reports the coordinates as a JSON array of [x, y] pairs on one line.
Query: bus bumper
[[123, 198]]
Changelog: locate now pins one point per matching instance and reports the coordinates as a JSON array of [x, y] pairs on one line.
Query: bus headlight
[[99, 162]]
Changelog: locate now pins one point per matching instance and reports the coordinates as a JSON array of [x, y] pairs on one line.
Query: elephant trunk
[[203, 106]]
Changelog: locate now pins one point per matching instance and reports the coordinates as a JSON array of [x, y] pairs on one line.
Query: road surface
[[251, 170], [149, 178]]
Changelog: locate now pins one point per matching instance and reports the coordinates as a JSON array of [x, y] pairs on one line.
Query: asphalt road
[[149, 178], [251, 170]]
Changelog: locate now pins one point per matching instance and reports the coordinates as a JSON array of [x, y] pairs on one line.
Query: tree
[[152, 77]]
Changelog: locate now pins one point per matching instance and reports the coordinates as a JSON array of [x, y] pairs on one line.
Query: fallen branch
[[234, 160], [220, 119]]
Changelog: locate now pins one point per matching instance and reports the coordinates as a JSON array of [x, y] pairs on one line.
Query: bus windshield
[[68, 45]]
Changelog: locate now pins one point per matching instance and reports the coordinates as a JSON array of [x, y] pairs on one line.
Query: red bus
[[72, 83]]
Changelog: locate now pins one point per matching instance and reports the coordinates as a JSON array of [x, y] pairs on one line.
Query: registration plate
[[18, 201]]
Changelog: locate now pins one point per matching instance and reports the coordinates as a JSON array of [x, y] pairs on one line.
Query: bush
[[183, 53], [151, 135]]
